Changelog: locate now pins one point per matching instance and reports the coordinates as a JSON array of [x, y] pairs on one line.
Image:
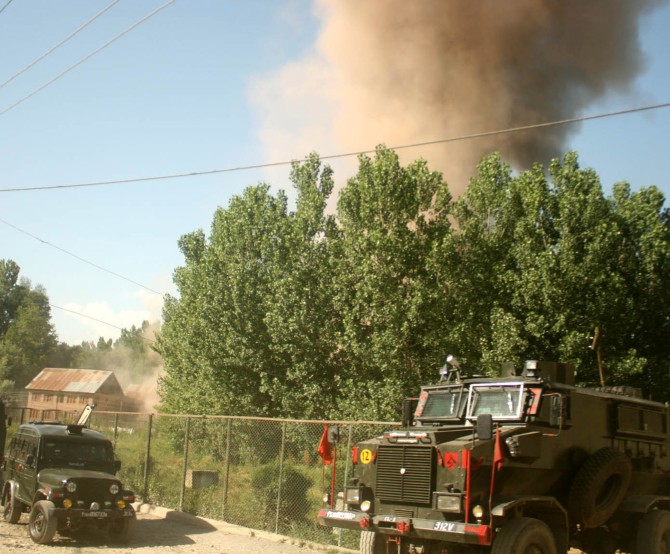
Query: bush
[[266, 482]]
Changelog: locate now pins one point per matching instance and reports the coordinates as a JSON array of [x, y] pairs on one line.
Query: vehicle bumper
[[448, 531], [74, 517]]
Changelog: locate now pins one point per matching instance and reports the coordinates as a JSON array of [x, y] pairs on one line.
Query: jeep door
[[26, 468]]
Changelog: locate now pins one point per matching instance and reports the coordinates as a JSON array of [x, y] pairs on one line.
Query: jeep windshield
[[441, 403], [504, 401], [99, 452]]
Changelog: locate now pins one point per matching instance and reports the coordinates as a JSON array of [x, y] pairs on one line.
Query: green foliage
[[266, 482], [299, 314], [27, 337]]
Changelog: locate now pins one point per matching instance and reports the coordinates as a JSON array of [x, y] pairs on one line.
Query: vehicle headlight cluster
[[71, 486], [114, 489]]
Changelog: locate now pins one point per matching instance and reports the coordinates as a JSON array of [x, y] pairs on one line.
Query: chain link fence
[[256, 472]]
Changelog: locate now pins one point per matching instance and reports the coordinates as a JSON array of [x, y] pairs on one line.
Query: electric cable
[[345, 155], [7, 4], [87, 57], [98, 320], [72, 34], [80, 258]]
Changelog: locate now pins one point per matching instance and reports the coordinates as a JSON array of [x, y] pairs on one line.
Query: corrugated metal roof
[[71, 380]]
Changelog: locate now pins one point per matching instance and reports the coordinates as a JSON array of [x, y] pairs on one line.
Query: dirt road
[[168, 532], [162, 531]]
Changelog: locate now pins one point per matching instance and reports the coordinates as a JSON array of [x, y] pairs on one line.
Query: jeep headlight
[[449, 503], [114, 489], [352, 496], [71, 486]]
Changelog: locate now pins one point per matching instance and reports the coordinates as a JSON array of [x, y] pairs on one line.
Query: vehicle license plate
[[94, 514]]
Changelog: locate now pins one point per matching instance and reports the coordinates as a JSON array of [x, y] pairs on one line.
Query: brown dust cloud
[[407, 71]]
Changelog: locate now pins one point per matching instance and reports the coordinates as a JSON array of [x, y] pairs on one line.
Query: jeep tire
[[11, 508], [42, 523], [121, 530]]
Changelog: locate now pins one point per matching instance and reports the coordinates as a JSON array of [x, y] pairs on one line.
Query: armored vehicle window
[[441, 403], [502, 401], [80, 451]]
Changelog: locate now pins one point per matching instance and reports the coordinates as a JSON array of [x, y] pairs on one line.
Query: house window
[[48, 397], [71, 399], [37, 396]]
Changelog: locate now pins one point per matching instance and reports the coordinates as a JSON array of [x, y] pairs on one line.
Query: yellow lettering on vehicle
[[366, 456]]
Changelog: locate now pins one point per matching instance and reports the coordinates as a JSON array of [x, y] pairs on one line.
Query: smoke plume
[[400, 72]]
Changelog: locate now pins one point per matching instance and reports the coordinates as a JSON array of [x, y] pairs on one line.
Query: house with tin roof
[[56, 390]]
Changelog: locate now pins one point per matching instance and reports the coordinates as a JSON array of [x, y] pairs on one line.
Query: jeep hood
[[55, 476]]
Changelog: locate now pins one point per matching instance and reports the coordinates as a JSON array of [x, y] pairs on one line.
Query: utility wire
[[98, 320], [72, 34], [345, 155], [87, 57], [7, 4], [80, 258]]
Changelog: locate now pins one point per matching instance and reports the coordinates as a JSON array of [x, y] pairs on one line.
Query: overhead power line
[[72, 34], [98, 320], [470, 136], [87, 57], [80, 258], [7, 4]]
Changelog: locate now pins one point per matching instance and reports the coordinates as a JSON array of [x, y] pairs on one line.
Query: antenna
[[595, 345]]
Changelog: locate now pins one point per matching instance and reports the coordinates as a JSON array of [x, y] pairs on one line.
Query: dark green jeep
[[64, 476]]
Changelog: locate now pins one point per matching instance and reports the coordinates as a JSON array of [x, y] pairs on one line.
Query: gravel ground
[[157, 532]]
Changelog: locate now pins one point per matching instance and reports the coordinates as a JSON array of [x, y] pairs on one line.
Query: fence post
[[147, 461], [226, 473], [185, 465], [346, 475], [116, 428], [281, 471]]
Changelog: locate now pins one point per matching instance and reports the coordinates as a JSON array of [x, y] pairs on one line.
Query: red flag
[[498, 454], [324, 447]]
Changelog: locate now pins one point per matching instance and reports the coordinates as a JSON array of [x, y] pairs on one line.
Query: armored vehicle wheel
[[524, 535], [121, 530], [372, 543], [42, 523], [11, 509], [599, 487], [653, 533]]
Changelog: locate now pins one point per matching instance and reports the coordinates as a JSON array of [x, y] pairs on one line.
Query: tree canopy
[[296, 313]]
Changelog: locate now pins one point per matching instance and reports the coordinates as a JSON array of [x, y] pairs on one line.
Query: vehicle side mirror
[[30, 460], [408, 409], [117, 465], [485, 427]]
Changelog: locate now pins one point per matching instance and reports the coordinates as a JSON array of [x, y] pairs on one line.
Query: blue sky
[[202, 85]]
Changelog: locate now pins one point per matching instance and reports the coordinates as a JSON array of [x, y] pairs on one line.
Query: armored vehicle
[[64, 477], [524, 463]]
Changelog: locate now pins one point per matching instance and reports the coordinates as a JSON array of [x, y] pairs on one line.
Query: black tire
[[653, 533], [121, 531], [372, 543], [599, 487], [524, 535], [11, 508], [42, 523]]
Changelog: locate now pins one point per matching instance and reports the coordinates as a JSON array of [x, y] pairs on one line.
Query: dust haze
[[401, 72]]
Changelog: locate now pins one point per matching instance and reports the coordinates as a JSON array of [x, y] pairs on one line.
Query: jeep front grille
[[93, 490], [405, 474]]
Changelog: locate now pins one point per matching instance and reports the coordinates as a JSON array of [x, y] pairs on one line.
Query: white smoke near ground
[[399, 72]]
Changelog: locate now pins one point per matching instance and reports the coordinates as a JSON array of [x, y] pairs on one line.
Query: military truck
[[523, 463], [64, 477]]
